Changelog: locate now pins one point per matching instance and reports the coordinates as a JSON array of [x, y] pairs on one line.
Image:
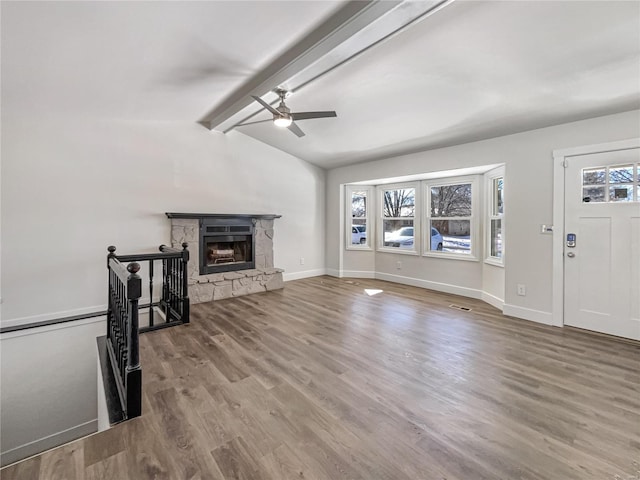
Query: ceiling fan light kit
[[283, 117], [282, 121]]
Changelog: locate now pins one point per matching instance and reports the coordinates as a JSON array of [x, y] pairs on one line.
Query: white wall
[[528, 204], [71, 189], [72, 186], [48, 394]]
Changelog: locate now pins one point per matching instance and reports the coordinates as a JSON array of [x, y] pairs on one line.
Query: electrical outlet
[[398, 265], [522, 290], [301, 260]]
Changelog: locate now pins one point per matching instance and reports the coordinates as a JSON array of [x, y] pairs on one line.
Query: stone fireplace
[[231, 255]]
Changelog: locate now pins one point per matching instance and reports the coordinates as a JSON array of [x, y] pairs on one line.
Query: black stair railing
[[175, 289], [123, 318], [174, 293], [125, 289]]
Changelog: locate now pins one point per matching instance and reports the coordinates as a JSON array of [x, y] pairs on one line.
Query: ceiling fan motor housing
[[285, 112]]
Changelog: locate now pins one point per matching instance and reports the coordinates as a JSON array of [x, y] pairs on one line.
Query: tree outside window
[[398, 217], [450, 213]]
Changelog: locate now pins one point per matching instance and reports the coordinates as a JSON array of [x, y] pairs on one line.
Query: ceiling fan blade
[[296, 129], [257, 121], [310, 115], [266, 105]]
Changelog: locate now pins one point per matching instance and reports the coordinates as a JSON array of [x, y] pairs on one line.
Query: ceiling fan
[[284, 117]]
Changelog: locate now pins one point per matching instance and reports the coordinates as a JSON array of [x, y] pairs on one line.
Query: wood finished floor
[[321, 381]]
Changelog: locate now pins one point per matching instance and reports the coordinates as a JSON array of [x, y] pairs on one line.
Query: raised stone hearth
[[186, 227]]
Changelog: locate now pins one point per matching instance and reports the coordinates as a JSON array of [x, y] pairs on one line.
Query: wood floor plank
[[63, 463], [108, 469], [29, 468], [321, 381], [237, 462]]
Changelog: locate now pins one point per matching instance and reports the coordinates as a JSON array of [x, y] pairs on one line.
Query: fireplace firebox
[[226, 244]]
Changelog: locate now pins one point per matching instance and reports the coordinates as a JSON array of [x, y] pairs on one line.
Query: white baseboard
[[440, 287], [304, 274], [46, 443], [493, 300], [358, 274], [334, 272], [529, 314]]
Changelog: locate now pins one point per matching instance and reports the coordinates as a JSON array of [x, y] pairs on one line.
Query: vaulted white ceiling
[[472, 70]]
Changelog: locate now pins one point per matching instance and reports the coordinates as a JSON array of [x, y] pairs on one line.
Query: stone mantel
[[261, 216]]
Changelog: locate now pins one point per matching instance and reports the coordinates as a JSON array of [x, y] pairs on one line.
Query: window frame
[[474, 226], [490, 215], [381, 218], [349, 190]]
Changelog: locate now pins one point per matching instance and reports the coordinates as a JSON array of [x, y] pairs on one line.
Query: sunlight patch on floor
[[372, 291]]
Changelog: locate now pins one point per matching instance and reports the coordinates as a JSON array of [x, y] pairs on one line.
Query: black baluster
[[174, 306], [163, 302], [151, 293], [184, 298]]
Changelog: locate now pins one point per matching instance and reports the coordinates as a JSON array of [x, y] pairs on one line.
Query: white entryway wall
[[528, 159]]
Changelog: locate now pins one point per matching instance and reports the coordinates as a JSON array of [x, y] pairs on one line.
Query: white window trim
[[475, 224], [369, 219], [416, 219], [490, 176]]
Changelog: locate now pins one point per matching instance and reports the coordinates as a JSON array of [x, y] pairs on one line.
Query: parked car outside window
[[358, 234], [436, 239], [403, 238]]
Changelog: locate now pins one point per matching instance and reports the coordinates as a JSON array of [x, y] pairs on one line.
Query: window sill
[[359, 248], [397, 250], [494, 262], [451, 256]]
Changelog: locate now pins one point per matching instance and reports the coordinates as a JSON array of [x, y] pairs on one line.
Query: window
[[450, 217], [358, 218], [495, 216], [398, 225], [611, 184]]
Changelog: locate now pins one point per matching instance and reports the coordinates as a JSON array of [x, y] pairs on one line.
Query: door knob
[[571, 254]]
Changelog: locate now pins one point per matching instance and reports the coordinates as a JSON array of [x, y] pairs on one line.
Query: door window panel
[[621, 193], [594, 176], [622, 174], [593, 194], [618, 183]]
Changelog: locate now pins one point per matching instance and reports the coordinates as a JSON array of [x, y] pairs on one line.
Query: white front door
[[602, 270]]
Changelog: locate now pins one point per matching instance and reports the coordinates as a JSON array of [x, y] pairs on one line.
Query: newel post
[[133, 382], [112, 254], [134, 291]]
